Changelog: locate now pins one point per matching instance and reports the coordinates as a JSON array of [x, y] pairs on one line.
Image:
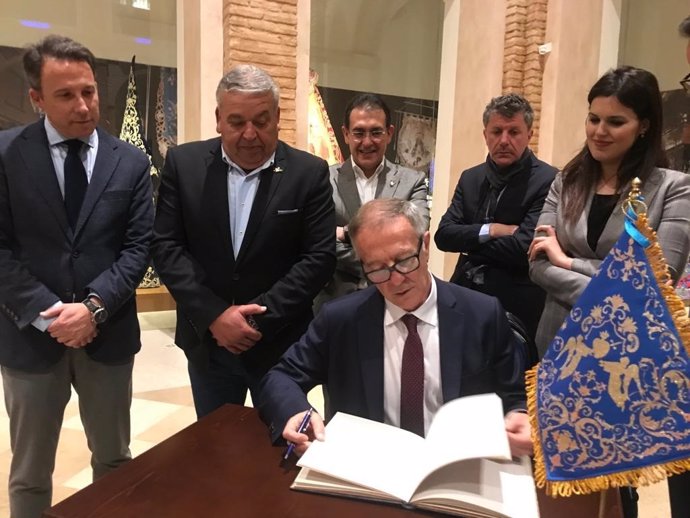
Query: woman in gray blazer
[[582, 218]]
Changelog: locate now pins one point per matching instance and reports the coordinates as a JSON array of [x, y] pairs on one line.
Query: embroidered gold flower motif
[[277, 169]]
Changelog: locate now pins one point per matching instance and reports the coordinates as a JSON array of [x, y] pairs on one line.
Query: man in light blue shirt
[[243, 241], [76, 218]]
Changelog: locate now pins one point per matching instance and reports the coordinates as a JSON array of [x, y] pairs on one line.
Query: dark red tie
[[412, 380], [75, 181]]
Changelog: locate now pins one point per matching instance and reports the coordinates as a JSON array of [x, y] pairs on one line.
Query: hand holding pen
[[300, 430]]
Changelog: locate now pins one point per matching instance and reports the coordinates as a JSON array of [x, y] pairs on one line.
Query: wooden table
[[222, 466]]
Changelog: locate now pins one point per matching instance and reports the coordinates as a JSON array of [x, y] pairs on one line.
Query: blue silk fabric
[[613, 389]]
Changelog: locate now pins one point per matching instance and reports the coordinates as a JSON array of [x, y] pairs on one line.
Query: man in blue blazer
[[357, 346], [76, 216], [243, 240]]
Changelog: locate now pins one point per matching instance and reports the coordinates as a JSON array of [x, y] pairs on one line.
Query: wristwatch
[[98, 313]]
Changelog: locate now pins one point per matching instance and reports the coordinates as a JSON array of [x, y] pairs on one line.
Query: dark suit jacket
[[506, 270], [287, 254], [343, 350], [42, 260]]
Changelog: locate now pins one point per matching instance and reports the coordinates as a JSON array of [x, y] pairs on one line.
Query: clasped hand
[[547, 243], [501, 230], [232, 329], [73, 325]]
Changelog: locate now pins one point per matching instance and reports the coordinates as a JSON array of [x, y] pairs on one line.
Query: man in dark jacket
[[494, 211], [243, 239]]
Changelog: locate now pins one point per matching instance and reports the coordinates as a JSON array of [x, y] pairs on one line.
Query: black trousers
[[629, 499], [679, 494]]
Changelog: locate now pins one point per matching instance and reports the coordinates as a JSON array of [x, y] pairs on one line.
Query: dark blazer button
[[75, 254], [235, 277]]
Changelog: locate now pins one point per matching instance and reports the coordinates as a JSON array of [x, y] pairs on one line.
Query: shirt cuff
[[484, 235], [42, 323]]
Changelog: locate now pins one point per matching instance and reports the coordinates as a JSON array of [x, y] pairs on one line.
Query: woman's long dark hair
[[638, 90]]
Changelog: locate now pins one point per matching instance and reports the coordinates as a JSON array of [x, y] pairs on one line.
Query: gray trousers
[[35, 403]]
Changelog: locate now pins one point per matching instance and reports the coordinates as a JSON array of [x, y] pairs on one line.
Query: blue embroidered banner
[[610, 400]]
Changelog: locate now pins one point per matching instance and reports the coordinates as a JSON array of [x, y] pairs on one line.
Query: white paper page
[[505, 488], [368, 453], [466, 428], [464, 481], [519, 493]]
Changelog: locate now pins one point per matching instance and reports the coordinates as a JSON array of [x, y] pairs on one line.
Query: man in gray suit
[[76, 219], [365, 176]]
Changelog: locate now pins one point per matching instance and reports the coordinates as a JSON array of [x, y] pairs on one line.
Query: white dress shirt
[[58, 152], [394, 335], [366, 187]]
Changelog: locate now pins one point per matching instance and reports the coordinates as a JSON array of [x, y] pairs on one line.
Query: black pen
[[302, 428]]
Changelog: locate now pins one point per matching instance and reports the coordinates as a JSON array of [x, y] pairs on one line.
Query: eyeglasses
[[403, 266], [685, 83], [376, 134]]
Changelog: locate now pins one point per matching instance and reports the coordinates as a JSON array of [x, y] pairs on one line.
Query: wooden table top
[[223, 465]]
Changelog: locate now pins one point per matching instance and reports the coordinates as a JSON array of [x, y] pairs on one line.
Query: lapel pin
[[277, 169], [392, 183]]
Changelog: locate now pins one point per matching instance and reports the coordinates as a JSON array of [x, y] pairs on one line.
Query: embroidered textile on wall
[[131, 132], [610, 401], [166, 111], [416, 141], [321, 138]]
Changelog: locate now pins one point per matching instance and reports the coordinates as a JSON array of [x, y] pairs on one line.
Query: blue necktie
[[75, 181]]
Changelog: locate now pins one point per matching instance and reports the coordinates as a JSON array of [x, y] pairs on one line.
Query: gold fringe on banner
[[640, 476], [660, 267]]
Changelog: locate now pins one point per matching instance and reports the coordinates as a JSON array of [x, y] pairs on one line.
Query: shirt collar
[[55, 138], [359, 172], [233, 165], [427, 312]]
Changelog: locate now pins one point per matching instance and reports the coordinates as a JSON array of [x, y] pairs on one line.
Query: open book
[[463, 467]]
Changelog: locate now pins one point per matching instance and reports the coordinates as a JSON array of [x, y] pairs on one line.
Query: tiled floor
[[162, 405]]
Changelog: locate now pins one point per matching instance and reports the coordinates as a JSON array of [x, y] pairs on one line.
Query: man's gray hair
[[248, 79], [508, 106], [380, 211]]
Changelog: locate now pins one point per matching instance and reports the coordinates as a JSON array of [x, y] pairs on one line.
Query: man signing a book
[[396, 351]]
